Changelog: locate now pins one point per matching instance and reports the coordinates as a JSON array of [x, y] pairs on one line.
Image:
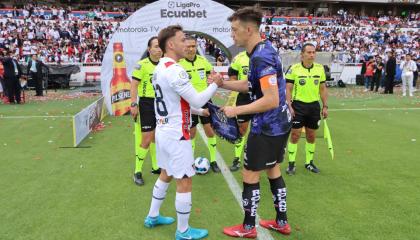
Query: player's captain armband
[[268, 81]]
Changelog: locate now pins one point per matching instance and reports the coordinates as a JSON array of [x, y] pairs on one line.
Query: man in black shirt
[[390, 69]]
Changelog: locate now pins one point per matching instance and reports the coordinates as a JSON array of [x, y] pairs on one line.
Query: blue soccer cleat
[[192, 233], [151, 222]]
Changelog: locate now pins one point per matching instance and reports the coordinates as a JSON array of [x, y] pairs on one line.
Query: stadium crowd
[[358, 38], [65, 38]]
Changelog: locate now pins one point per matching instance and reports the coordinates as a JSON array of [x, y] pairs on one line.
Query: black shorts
[[306, 115], [203, 120], [243, 99], [147, 114], [264, 152]]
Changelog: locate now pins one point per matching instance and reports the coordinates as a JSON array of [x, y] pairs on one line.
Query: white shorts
[[174, 156]]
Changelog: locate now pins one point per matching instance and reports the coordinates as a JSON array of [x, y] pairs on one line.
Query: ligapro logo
[[192, 11], [172, 4]]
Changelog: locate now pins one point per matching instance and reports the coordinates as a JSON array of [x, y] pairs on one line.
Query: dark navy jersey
[[265, 61]]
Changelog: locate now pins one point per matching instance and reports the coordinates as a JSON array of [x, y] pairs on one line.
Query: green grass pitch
[[371, 190]]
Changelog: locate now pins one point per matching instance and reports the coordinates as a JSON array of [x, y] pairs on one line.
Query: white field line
[[29, 117], [263, 234], [372, 109]]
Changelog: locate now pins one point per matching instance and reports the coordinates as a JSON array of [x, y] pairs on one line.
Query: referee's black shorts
[[306, 115], [243, 99], [147, 114], [203, 120], [264, 152]]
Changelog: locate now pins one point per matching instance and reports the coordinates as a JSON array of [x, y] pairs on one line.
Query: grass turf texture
[[370, 190]]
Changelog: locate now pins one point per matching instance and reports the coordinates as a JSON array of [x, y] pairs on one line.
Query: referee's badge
[[202, 74], [245, 70], [302, 82]]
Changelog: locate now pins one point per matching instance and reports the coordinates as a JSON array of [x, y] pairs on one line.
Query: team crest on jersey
[[302, 82], [137, 67], [183, 75], [273, 80], [316, 82]]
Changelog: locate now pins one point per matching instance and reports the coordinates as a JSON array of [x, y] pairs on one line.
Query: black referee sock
[[278, 188], [250, 200]]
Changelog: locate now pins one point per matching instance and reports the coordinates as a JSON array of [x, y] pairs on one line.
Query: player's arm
[[182, 85], [200, 111], [239, 86], [135, 81], [290, 81], [269, 101]]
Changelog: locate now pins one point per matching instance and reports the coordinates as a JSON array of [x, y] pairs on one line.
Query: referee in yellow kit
[[304, 88]]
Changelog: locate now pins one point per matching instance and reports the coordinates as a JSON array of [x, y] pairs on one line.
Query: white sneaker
[[365, 90], [411, 95], [404, 95]]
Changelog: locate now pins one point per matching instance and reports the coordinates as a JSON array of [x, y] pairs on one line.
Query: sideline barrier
[[87, 119]]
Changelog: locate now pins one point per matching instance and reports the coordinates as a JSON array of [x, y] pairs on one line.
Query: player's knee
[[242, 129], [250, 176], [184, 185], [147, 139], [294, 136], [192, 132], [274, 172], [208, 130], [310, 136], [164, 176]]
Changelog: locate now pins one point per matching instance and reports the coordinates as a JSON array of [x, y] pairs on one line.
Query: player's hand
[[134, 111], [215, 78], [324, 112], [292, 111], [229, 111], [206, 112]]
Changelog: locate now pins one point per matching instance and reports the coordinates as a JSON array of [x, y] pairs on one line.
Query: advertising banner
[[86, 120], [129, 42]]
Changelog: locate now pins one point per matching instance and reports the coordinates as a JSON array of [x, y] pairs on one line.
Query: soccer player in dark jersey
[[270, 125]]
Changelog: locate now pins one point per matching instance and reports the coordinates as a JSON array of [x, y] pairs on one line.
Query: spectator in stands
[[2, 84], [377, 74], [408, 68], [12, 74], [34, 70], [390, 70]]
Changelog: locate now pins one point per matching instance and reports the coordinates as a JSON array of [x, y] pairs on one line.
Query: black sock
[[250, 200], [278, 188]]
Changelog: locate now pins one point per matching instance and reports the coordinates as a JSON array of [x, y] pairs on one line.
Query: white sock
[[183, 209], [158, 195]]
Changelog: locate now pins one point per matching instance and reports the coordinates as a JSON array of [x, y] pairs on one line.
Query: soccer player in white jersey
[[175, 100]]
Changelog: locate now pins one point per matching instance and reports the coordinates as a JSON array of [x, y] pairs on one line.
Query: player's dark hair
[[247, 14], [167, 33], [189, 37], [149, 43], [306, 45]]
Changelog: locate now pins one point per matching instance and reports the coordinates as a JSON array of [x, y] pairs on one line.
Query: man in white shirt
[[175, 100], [408, 68]]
